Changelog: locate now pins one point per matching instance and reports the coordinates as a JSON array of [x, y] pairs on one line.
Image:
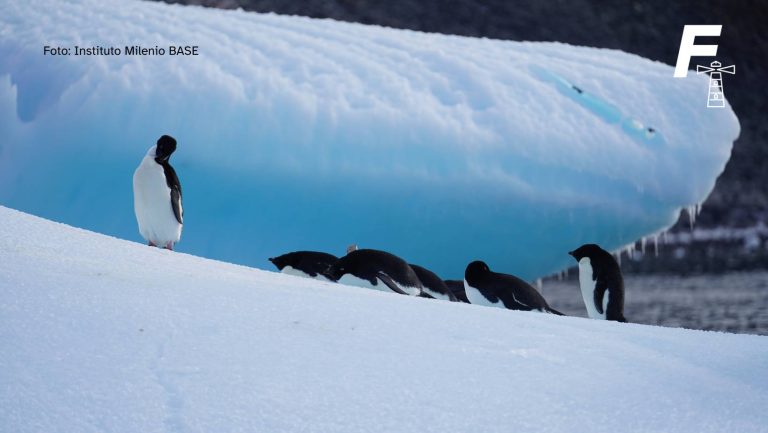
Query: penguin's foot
[[152, 244], [169, 246]]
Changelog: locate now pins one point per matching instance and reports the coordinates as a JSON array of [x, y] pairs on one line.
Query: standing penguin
[[433, 286], [374, 269], [602, 285], [157, 196], [493, 289]]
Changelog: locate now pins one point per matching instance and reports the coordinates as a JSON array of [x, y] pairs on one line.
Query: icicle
[[656, 244], [692, 213], [631, 250], [643, 240]]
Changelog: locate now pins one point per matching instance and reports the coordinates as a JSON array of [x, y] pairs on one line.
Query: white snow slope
[[297, 133], [103, 335]]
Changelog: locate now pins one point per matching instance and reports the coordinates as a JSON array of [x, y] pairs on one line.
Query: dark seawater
[[734, 302]]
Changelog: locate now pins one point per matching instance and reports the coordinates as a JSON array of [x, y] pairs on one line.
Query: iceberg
[[298, 133]]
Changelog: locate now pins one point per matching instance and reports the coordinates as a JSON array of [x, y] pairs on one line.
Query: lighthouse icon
[[716, 98]]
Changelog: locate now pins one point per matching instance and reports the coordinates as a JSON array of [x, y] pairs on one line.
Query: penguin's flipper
[[511, 304], [176, 203], [386, 279], [600, 291], [555, 312], [175, 186]]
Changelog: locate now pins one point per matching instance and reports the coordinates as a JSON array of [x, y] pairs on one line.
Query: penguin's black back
[[312, 263], [366, 264], [432, 282], [607, 274], [165, 147], [457, 287], [513, 292]]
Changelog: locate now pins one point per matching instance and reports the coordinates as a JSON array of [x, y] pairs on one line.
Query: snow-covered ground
[[101, 335], [296, 133]]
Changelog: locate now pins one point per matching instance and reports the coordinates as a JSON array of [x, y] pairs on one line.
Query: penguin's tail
[[553, 311]]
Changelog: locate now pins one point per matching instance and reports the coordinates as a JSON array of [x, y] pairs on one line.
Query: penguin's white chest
[[476, 298], [152, 204], [587, 285], [436, 295], [351, 280], [290, 270], [412, 291]]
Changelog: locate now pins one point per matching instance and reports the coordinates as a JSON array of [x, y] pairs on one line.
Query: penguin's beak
[[570, 253]]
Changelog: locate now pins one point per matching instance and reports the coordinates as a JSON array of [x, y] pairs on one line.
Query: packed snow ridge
[[296, 133], [104, 335]]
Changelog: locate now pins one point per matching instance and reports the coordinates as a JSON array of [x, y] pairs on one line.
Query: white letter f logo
[[688, 49]]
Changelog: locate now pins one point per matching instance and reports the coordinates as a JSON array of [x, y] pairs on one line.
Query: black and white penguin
[[602, 285], [432, 286], [157, 196], [484, 287], [308, 264], [457, 287], [374, 269]]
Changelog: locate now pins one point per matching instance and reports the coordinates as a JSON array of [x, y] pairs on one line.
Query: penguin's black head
[[587, 250], [166, 145], [476, 269], [335, 271], [278, 261], [351, 262]]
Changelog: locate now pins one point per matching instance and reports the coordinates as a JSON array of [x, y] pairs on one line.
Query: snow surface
[[101, 335], [297, 134]]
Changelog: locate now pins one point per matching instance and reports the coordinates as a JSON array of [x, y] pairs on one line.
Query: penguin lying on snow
[[157, 196], [602, 285], [308, 264], [432, 286], [457, 287], [375, 269], [484, 287]]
